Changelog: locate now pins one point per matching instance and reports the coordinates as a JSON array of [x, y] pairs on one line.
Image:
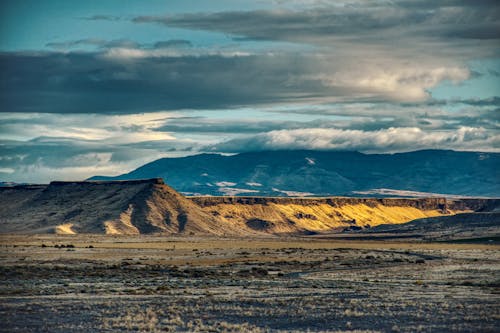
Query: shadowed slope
[[128, 207]]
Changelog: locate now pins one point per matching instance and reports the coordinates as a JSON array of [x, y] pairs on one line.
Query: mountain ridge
[[327, 173]]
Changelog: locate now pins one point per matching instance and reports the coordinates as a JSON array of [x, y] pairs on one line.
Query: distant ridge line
[[158, 181]]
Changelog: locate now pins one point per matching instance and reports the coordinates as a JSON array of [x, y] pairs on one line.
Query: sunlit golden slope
[[320, 215]]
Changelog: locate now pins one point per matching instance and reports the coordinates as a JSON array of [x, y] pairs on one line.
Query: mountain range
[[325, 173]]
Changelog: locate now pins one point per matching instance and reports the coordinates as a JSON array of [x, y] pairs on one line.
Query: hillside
[[150, 206], [326, 173], [319, 215], [128, 207]]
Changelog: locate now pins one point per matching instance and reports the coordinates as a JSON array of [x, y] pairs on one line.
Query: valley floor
[[158, 284]]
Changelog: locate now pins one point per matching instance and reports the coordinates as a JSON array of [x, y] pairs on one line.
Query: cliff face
[[288, 215], [426, 203], [150, 206]]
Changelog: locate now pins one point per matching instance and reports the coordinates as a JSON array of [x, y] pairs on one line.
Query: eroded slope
[[128, 207], [284, 215]]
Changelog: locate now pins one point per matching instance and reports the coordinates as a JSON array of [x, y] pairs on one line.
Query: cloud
[[43, 147], [102, 18], [118, 44], [361, 51], [360, 21], [361, 116], [172, 43], [225, 126], [43, 159], [128, 80], [75, 43], [341, 75], [394, 139], [397, 50]]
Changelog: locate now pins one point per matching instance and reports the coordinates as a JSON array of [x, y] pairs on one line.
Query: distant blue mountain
[[324, 173]]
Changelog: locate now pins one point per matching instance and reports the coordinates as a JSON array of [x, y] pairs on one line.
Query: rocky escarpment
[[422, 203], [111, 207], [316, 215]]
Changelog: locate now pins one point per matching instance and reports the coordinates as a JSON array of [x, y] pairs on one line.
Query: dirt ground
[[89, 283]]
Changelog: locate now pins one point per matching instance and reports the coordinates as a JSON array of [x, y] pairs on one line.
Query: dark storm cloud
[[117, 83], [459, 19]]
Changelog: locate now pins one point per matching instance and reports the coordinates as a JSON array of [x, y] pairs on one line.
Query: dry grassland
[[87, 283]]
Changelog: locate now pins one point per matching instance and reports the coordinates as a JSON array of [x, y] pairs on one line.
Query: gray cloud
[[360, 21], [89, 83], [492, 101], [41, 147], [75, 43], [117, 43], [361, 117], [222, 126], [365, 51], [124, 43], [127, 80], [47, 158]]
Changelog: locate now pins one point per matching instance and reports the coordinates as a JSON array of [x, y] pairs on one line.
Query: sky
[[103, 87]]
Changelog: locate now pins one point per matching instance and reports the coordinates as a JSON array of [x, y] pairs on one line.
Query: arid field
[[83, 283]]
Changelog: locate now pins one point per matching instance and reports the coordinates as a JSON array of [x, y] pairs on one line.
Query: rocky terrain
[[326, 173], [150, 206]]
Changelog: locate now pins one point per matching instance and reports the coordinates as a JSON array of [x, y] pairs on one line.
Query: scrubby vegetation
[[213, 285]]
